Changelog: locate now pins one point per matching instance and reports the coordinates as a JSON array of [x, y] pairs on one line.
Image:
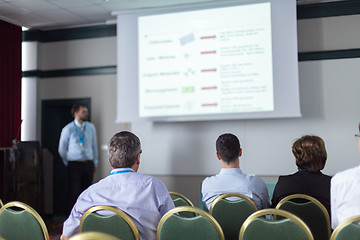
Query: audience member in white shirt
[[345, 194]]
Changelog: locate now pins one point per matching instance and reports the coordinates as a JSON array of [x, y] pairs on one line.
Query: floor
[[54, 226]]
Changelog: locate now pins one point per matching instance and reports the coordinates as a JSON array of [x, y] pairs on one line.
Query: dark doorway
[[54, 116]]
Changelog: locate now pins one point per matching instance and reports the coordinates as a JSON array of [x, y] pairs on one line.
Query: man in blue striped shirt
[[144, 198]]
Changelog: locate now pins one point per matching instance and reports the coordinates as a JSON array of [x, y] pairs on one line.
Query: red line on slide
[[209, 70], [209, 104], [208, 52], [208, 37], [209, 88]]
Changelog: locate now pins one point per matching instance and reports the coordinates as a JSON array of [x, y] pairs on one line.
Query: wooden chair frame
[[115, 210]]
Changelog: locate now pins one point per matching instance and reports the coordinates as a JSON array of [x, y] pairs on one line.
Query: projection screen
[[229, 60]]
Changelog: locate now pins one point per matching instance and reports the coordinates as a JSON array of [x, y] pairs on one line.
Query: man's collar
[[122, 169], [78, 123], [230, 170]]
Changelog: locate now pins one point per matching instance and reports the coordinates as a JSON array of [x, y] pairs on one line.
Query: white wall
[[328, 91]]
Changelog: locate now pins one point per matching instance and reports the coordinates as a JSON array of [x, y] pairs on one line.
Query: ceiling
[[55, 14]]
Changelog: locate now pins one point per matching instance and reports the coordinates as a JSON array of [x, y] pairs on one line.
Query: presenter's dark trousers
[[80, 177]]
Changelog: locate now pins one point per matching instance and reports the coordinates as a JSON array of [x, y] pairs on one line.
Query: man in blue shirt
[[79, 151], [144, 198], [231, 178]]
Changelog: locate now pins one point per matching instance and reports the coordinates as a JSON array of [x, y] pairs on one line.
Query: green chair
[[311, 211], [118, 224], [93, 236], [347, 230], [175, 227], [232, 214], [180, 200], [21, 224], [202, 205], [270, 185], [256, 227]]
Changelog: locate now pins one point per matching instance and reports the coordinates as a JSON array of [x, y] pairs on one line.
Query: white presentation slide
[[206, 62]]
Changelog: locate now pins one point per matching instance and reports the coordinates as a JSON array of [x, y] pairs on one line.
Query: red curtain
[[10, 83]]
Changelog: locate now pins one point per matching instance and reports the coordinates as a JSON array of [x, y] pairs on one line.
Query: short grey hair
[[124, 148]]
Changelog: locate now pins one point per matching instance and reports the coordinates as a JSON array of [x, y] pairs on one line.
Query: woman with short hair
[[310, 155]]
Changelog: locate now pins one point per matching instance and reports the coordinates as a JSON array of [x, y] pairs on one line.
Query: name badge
[[82, 147]]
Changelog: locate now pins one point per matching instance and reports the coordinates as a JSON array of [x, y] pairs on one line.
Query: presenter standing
[[79, 151]]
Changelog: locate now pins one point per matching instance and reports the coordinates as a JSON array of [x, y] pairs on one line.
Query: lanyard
[[121, 171], [302, 169], [77, 131]]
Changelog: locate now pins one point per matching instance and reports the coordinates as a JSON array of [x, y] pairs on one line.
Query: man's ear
[[240, 153], [138, 159], [218, 156]]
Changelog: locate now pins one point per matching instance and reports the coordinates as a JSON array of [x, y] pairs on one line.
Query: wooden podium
[[21, 171], [7, 187]]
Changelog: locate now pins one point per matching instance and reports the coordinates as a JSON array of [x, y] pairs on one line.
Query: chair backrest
[[93, 236], [180, 200], [1, 204], [175, 227], [118, 224], [347, 230], [311, 211], [202, 205], [21, 224], [232, 214], [290, 227], [270, 185]]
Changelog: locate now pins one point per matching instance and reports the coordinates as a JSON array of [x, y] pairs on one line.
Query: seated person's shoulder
[[253, 177], [210, 179], [327, 176], [346, 175], [256, 180], [290, 177], [150, 179]]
